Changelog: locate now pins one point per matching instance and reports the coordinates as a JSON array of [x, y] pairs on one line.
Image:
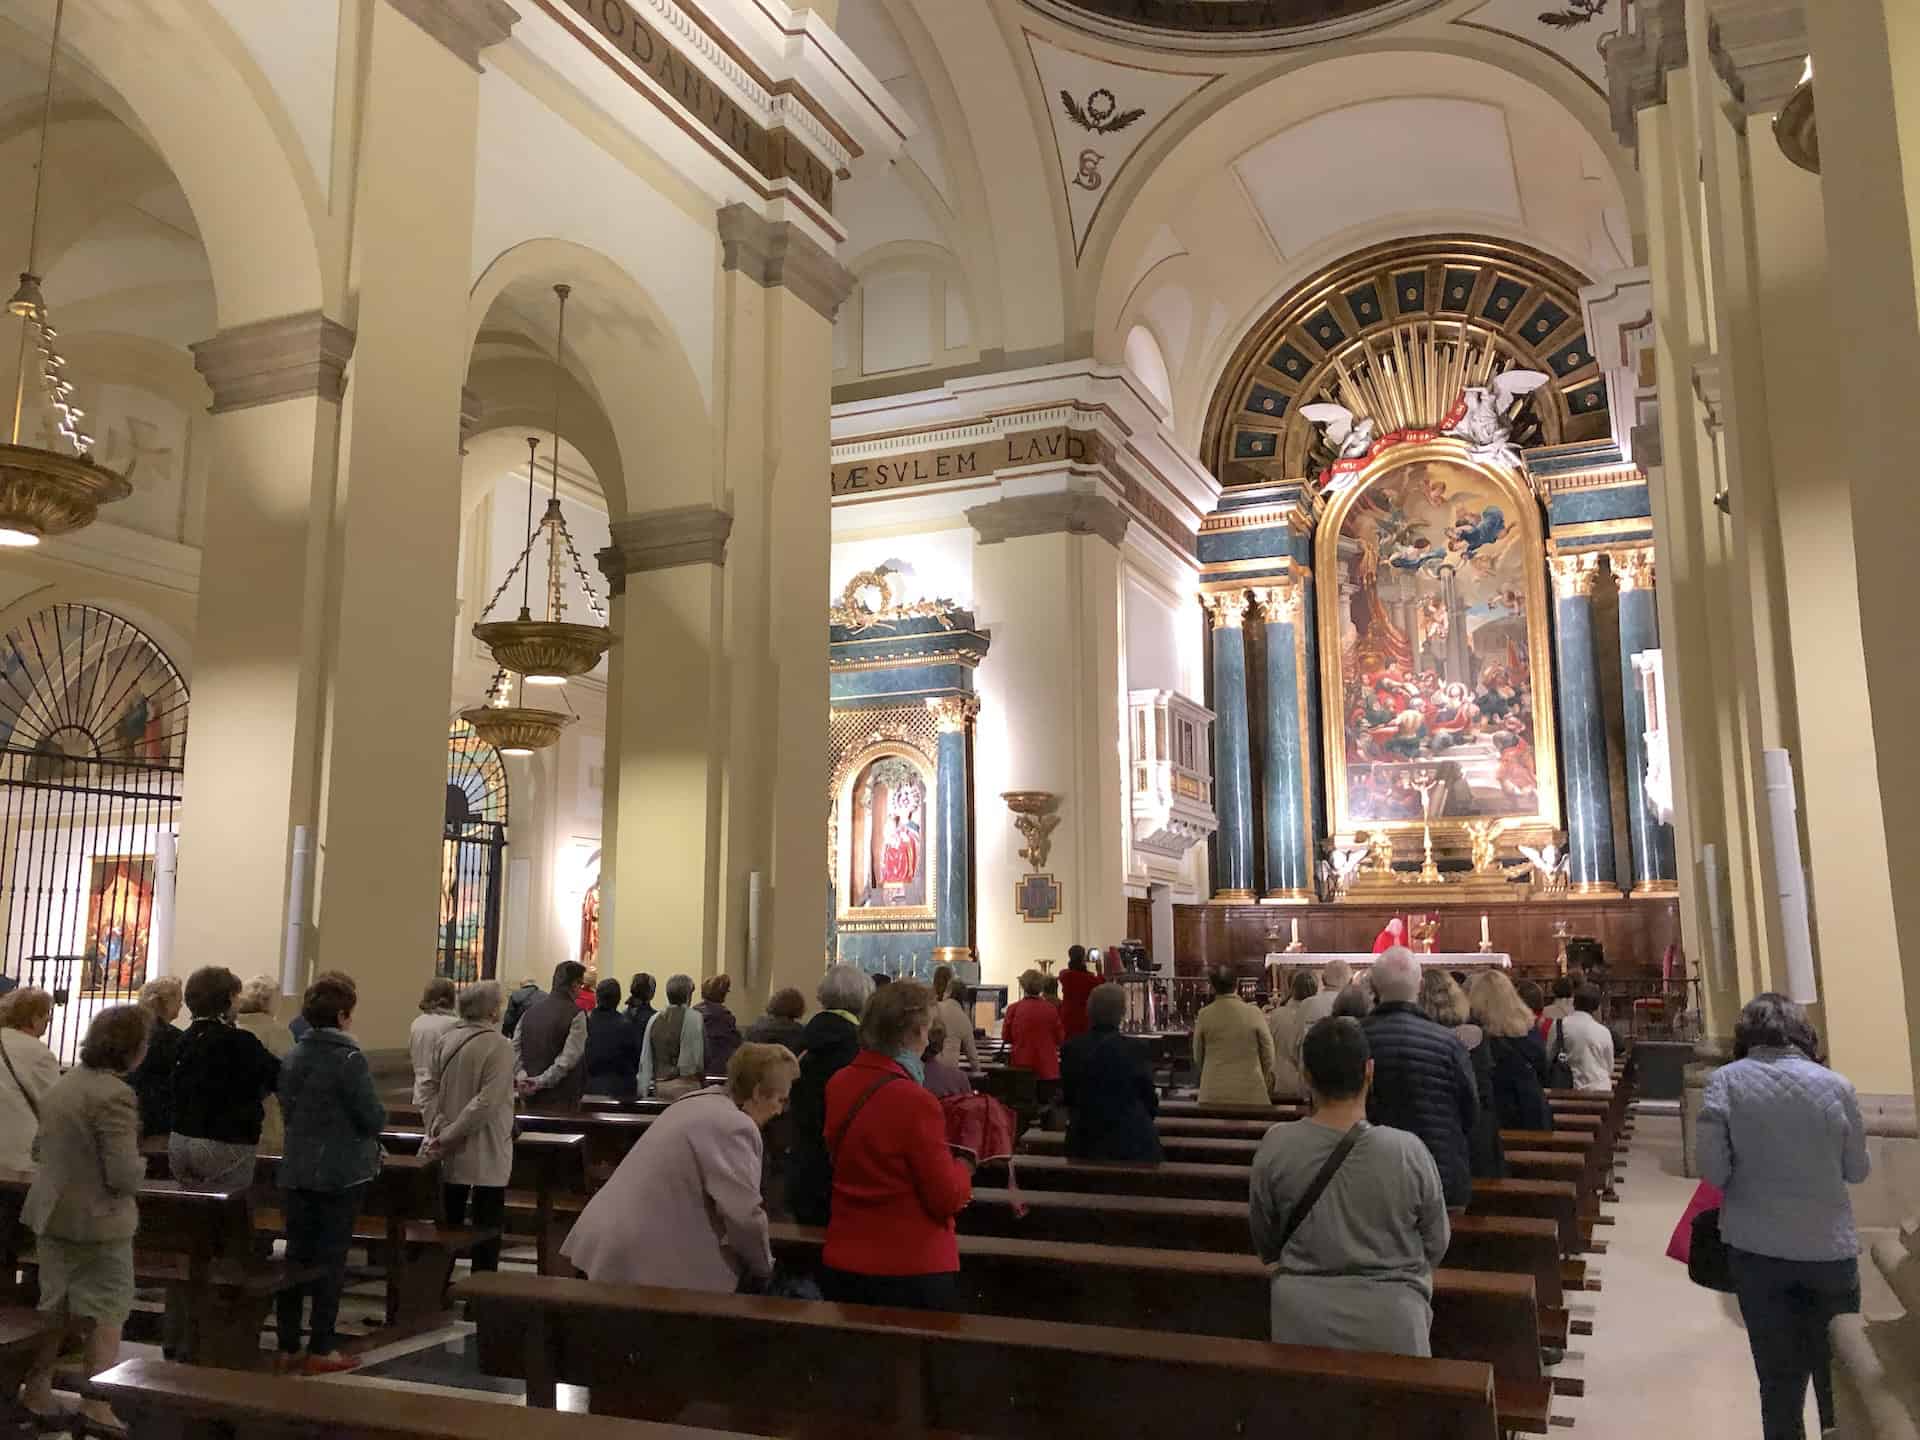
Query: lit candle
[[1484, 940], [1296, 931]]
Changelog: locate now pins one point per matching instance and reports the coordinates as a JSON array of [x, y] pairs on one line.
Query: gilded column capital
[[1633, 567], [1573, 575], [285, 359], [1226, 609], [953, 713], [1278, 604], [466, 27]]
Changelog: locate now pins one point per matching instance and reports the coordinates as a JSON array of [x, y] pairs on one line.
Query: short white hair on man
[[1396, 976], [845, 987], [1335, 975]]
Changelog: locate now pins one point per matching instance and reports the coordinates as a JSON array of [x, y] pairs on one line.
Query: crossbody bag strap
[[25, 1094], [1320, 1182], [833, 1145]]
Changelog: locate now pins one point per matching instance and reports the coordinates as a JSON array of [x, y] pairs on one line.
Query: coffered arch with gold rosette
[[1493, 304]]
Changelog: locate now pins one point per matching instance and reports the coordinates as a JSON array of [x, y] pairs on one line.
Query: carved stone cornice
[[1226, 609], [1278, 604], [953, 713], [1574, 574], [664, 540], [1058, 512], [1633, 567], [1639, 60], [285, 359], [466, 27], [1759, 47], [775, 253]]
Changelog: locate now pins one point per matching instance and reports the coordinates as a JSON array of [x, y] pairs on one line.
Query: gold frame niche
[[846, 918], [1326, 565]]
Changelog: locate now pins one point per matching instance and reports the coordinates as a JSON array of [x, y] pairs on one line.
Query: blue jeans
[[1787, 1305]]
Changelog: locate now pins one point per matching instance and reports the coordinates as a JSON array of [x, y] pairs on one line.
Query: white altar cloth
[[1444, 960]]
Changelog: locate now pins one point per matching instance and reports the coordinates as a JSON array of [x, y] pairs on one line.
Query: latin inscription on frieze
[[961, 462]]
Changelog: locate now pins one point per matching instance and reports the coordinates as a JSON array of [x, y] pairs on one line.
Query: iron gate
[[93, 723], [473, 859]]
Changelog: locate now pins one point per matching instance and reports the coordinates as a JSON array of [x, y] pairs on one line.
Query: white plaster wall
[[295, 43], [935, 564], [1153, 641]]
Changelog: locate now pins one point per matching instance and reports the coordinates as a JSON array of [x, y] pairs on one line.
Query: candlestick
[[1486, 941], [1295, 947]]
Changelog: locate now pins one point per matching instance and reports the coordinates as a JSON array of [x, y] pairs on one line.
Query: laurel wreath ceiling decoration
[[1513, 303]]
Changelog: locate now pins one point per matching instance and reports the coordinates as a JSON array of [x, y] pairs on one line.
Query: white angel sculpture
[[1343, 863], [1485, 426], [1349, 436], [1549, 863]]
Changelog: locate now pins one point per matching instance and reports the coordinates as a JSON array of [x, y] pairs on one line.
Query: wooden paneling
[[1140, 921], [1635, 933]]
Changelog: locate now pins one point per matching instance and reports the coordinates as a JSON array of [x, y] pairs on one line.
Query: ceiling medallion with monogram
[[1477, 306]]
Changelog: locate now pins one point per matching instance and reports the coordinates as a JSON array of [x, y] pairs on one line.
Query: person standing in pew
[[1288, 1025], [1445, 1003], [334, 1119], [1075, 986], [640, 1002], [1106, 1079], [436, 1017], [253, 1013], [32, 1070], [1519, 1055], [1423, 1079], [1232, 1047], [683, 1210], [613, 1046], [942, 1079], [1034, 1032], [833, 1039], [896, 1183], [950, 1009], [781, 1024], [468, 1112], [673, 1047], [81, 1205], [1349, 1216], [221, 1085], [550, 1042], [1587, 1043], [152, 1079]]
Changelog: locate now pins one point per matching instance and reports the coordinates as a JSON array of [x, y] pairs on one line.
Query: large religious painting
[[886, 845], [119, 923], [1434, 645]]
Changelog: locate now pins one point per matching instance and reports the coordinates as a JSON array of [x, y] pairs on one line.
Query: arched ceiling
[[1196, 24]]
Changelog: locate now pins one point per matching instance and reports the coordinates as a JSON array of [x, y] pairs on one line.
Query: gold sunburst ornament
[[551, 650], [44, 492]]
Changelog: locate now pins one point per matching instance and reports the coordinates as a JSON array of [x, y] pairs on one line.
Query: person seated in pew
[[1519, 1056], [1423, 1080], [673, 1048], [32, 1070], [1034, 1031], [221, 1084], [896, 1184], [781, 1024], [942, 1079], [1349, 1216], [334, 1118], [1587, 1043], [436, 1017], [683, 1210], [1106, 1079], [81, 1205], [1232, 1047], [1288, 1024], [613, 1046], [468, 1112], [833, 1039]]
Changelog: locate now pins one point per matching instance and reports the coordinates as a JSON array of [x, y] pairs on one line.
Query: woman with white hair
[[833, 1039], [32, 1070], [673, 1050], [253, 1012], [152, 1080], [468, 1107]]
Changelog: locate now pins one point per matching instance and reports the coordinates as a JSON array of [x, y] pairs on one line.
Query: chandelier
[[44, 491], [551, 650], [514, 729], [1796, 129]]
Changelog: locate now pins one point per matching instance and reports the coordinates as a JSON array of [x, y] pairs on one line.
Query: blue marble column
[[1654, 869], [952, 920], [1284, 791], [1583, 728], [1232, 760]]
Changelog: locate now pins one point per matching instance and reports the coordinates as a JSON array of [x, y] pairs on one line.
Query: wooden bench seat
[[1476, 1316], [814, 1369], [546, 1191], [1555, 1200], [1205, 1149]]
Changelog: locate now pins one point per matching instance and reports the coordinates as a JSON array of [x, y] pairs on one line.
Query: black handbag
[[1709, 1262], [1559, 1068]]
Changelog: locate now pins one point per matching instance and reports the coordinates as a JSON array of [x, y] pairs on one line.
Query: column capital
[[1574, 574], [1278, 604], [1759, 47], [776, 253], [284, 359], [1639, 61], [953, 713], [1633, 567], [1226, 609], [1057, 512], [466, 27], [665, 540]]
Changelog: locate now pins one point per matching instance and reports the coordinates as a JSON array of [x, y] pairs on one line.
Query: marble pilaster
[[1583, 727], [1654, 865], [952, 923], [1232, 758], [1284, 788]]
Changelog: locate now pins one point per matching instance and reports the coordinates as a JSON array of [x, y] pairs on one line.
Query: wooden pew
[[1555, 1200], [160, 1401], [806, 1368], [1202, 1149], [545, 1193], [1476, 1316], [199, 1245], [22, 1329], [1171, 1179], [1226, 1129]]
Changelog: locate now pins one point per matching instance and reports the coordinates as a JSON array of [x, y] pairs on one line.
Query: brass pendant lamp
[[44, 492], [551, 650], [1796, 129]]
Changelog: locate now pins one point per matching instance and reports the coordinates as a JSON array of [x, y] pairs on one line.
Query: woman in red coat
[[1034, 1032], [896, 1185], [1076, 984]]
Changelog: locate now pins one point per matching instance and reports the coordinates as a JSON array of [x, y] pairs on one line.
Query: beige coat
[[279, 1042], [37, 1069], [90, 1161], [468, 1104], [1233, 1051], [1288, 1027], [960, 1041]]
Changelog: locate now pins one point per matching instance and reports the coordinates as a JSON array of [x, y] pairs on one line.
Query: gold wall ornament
[[1226, 609], [1484, 838], [1796, 130], [952, 713], [1574, 574], [854, 613], [1035, 817], [43, 493]]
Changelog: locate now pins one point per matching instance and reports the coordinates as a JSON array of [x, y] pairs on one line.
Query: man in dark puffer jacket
[[1422, 1077], [833, 1039]]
